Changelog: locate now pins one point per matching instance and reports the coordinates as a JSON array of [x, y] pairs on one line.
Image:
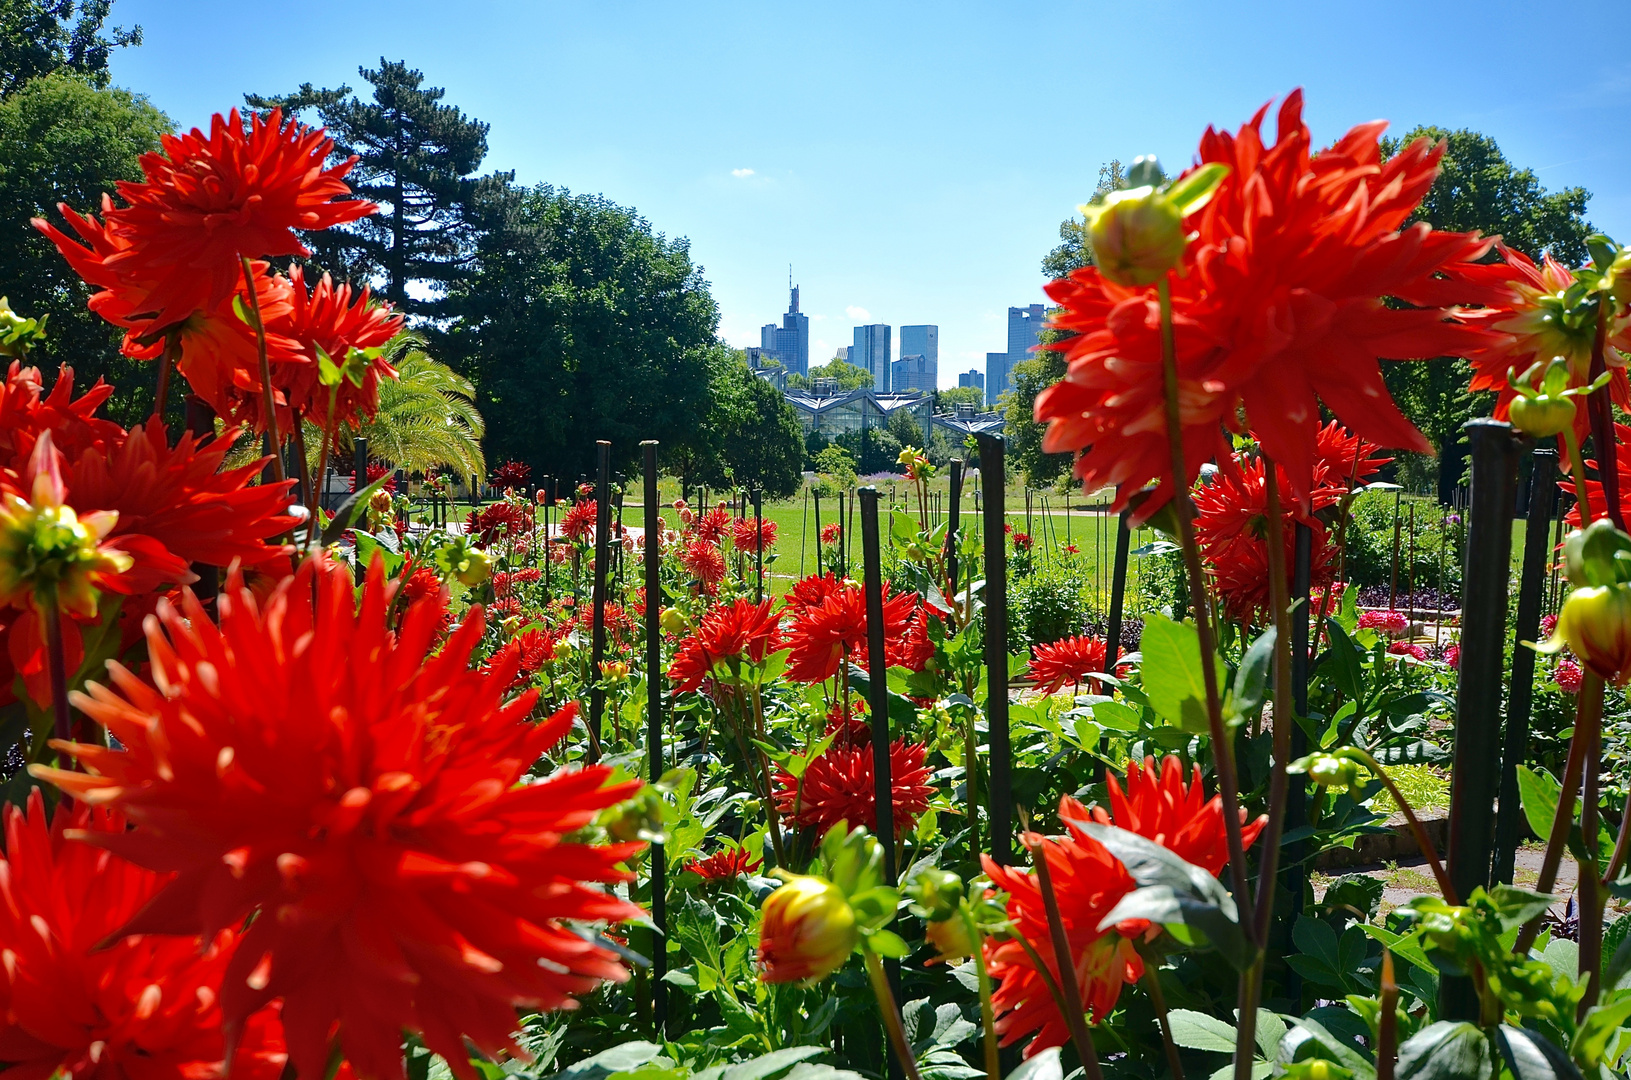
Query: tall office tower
[[972, 377], [872, 351], [996, 376], [789, 342], [915, 372], [1024, 331], [922, 341]]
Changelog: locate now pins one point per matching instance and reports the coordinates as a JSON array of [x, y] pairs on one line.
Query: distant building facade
[[972, 378], [789, 342], [924, 341], [913, 372], [873, 351], [1024, 332]]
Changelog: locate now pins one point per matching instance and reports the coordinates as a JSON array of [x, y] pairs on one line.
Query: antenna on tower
[[789, 275]]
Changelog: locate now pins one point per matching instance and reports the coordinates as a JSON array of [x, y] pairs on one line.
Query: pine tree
[[416, 159]]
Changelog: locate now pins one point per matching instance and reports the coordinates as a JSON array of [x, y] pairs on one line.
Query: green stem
[[1222, 750], [1423, 841], [891, 1014], [1387, 1024], [1075, 1015], [1577, 466], [268, 400], [1280, 601], [988, 1014], [1592, 896], [1588, 713], [1152, 983], [57, 662]]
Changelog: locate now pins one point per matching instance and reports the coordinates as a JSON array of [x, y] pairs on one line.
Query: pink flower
[[1404, 648], [1391, 623], [1567, 676]]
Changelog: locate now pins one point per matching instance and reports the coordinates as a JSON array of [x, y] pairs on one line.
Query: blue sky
[[911, 161]]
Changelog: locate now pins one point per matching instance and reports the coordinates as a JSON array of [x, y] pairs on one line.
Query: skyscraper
[[872, 351], [913, 372], [789, 342], [924, 341], [1024, 331], [973, 378], [996, 376]]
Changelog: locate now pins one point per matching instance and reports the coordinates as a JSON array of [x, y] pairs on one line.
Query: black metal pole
[[992, 483], [878, 701], [819, 573], [1118, 595], [654, 731], [955, 502], [597, 644], [359, 463], [1531, 587], [548, 501], [1476, 773], [759, 543]]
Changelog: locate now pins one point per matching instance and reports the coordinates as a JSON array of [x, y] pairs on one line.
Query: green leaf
[[1445, 1050], [1617, 945], [1343, 656], [1517, 906], [1198, 1031], [1252, 677], [1597, 1031], [1532, 1056], [1190, 193], [1538, 791], [1044, 1066], [1116, 716], [760, 1068], [622, 1058], [348, 508], [1325, 1045], [1173, 678]]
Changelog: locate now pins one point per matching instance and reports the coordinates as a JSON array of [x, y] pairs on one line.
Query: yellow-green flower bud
[[807, 932]]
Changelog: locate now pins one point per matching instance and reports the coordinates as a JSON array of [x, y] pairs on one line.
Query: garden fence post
[[759, 543], [359, 463], [1475, 774], [654, 731], [548, 501], [878, 701], [1531, 587], [817, 493], [597, 644], [992, 484], [955, 504], [1296, 805], [1393, 577]]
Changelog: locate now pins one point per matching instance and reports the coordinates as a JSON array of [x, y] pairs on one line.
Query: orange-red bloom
[[1088, 882], [578, 523], [745, 534], [71, 1005], [361, 796], [206, 200], [839, 786], [726, 864], [824, 634], [1279, 308], [1068, 660], [729, 634]]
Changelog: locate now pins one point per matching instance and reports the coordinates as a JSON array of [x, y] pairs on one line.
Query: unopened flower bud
[[1595, 623], [935, 893], [614, 670], [380, 502], [1137, 236], [637, 818], [478, 567], [1541, 417], [673, 621], [950, 938], [807, 932]]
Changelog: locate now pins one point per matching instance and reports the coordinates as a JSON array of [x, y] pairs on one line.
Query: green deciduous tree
[[960, 395], [751, 438], [1478, 189], [64, 140], [1045, 367], [38, 37], [579, 324], [417, 159], [848, 375]]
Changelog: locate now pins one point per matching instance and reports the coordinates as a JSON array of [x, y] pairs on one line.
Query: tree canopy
[[416, 158], [39, 37], [64, 140], [580, 323], [752, 437], [848, 375]]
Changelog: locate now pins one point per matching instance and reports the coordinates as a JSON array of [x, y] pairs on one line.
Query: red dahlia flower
[[207, 200], [729, 634], [832, 533], [745, 535], [497, 522], [511, 474], [1594, 488], [1068, 660], [726, 864], [713, 525], [362, 797], [1088, 882], [824, 635], [704, 561], [1391, 623], [1279, 308], [578, 523], [814, 590], [1525, 312], [1568, 676], [75, 1006], [839, 786]]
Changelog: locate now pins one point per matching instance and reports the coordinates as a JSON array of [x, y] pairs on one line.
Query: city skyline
[[755, 180]]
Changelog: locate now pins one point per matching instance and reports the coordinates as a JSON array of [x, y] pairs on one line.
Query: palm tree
[[427, 416]]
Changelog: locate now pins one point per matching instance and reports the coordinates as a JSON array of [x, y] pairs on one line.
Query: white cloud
[[741, 174], [860, 313]]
